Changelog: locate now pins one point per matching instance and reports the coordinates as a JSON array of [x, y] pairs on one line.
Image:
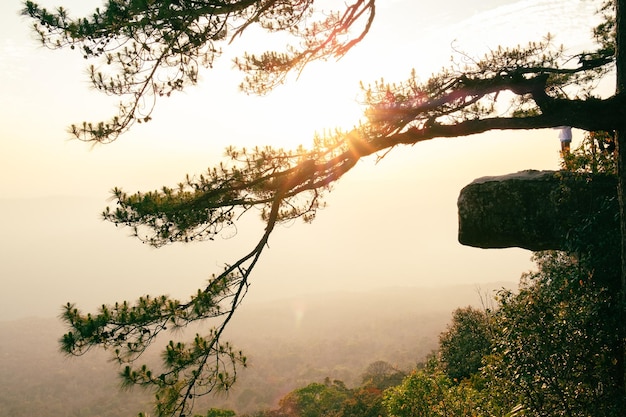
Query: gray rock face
[[535, 210]]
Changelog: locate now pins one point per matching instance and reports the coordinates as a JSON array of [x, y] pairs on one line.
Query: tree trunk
[[620, 88]]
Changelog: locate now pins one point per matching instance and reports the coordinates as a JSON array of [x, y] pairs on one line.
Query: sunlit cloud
[[528, 20], [13, 62]]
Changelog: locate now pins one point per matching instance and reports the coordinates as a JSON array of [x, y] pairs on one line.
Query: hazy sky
[[388, 224]]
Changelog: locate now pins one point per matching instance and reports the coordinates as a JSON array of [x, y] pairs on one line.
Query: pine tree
[[154, 48]]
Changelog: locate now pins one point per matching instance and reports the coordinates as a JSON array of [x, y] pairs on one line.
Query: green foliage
[[285, 184], [364, 402], [596, 239], [606, 31], [315, 400], [550, 349], [430, 393], [464, 343], [420, 394], [215, 412], [596, 154], [330, 399], [556, 342], [381, 375], [186, 372]]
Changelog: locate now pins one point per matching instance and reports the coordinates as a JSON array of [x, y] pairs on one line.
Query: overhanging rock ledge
[[531, 209]]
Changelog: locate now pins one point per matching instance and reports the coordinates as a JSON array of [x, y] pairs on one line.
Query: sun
[[322, 99]]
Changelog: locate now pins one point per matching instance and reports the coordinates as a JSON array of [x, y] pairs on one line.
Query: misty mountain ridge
[[289, 343]]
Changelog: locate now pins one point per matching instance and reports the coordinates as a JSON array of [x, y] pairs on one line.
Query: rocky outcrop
[[535, 210]]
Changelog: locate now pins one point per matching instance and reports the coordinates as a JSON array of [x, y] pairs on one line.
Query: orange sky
[[386, 224]]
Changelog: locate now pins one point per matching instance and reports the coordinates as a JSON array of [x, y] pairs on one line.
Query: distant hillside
[[289, 343]]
